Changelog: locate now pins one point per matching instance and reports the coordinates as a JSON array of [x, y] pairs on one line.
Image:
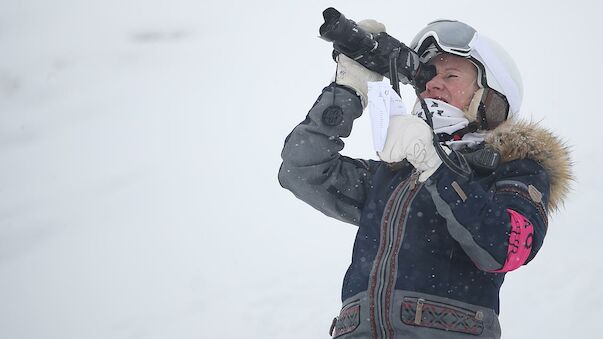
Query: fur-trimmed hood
[[527, 140]]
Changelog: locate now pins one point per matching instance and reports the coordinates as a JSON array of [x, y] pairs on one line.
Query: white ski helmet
[[501, 88]]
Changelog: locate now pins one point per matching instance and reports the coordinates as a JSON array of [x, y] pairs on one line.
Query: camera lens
[[347, 37]]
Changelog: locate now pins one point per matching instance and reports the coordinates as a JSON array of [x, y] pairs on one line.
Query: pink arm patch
[[520, 242]]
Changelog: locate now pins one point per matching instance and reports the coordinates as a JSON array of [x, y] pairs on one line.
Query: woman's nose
[[436, 83]]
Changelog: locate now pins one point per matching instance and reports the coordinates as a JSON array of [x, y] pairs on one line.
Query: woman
[[433, 243]]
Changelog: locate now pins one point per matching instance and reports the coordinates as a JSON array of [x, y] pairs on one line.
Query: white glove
[[410, 138], [352, 74]]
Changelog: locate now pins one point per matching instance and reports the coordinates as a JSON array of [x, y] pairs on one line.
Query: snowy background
[[139, 147]]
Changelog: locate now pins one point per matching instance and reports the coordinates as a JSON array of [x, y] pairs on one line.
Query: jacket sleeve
[[312, 167], [500, 223]]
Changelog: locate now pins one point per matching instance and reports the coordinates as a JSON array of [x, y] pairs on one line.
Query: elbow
[[282, 176], [286, 177]]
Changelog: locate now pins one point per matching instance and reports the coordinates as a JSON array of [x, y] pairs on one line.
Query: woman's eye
[[451, 76]]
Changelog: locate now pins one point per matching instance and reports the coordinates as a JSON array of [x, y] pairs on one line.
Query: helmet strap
[[482, 120], [458, 135]]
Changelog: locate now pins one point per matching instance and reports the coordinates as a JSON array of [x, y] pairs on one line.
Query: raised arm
[[312, 167]]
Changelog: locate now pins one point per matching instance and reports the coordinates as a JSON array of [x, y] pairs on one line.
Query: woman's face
[[455, 82]]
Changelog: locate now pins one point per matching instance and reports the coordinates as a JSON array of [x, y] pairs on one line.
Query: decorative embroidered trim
[[382, 280], [526, 196], [426, 313], [348, 321]]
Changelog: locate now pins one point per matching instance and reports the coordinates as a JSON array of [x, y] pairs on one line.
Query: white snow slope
[[139, 147]]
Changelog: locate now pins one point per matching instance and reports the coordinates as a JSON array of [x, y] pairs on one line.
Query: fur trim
[[527, 140]]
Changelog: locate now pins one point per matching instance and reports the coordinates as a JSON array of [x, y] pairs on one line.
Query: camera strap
[[462, 169]]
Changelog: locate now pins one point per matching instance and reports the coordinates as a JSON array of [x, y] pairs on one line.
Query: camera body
[[380, 52]]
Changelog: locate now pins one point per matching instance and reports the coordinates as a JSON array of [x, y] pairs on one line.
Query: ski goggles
[[450, 36], [493, 64]]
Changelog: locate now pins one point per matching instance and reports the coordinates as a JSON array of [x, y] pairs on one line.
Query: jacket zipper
[[414, 179], [400, 200]]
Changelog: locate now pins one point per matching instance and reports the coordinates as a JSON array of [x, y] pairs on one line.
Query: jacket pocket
[[432, 314], [347, 321]]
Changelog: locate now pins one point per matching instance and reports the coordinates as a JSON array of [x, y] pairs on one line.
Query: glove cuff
[[355, 76]]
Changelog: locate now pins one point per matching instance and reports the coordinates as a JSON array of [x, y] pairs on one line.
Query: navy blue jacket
[[447, 237]]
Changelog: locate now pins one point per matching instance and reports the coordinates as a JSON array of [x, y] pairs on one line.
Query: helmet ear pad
[[471, 110], [488, 108]]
